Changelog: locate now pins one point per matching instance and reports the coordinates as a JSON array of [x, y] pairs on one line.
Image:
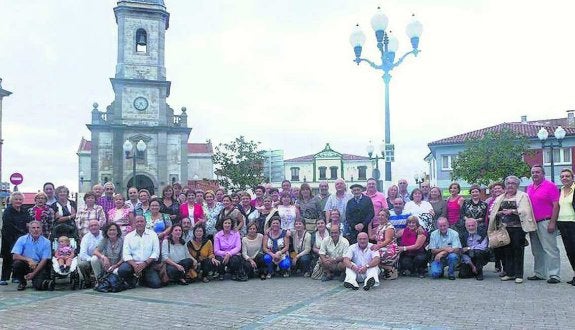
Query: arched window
[[141, 41]]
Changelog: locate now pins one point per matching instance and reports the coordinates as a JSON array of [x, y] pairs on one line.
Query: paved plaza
[[301, 303]]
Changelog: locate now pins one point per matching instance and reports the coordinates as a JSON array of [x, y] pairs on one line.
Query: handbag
[[499, 237], [160, 267], [111, 283]]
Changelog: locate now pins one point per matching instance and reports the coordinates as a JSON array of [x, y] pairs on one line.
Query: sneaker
[[369, 283], [553, 280], [508, 278], [205, 279], [221, 277], [451, 277], [572, 282], [306, 274], [286, 274], [234, 277], [479, 277], [3, 283], [519, 280], [268, 275], [21, 286], [535, 278], [350, 286], [51, 285]]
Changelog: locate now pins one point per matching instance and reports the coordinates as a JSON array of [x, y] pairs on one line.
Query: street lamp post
[[376, 175], [419, 178], [137, 154], [387, 45], [559, 135]]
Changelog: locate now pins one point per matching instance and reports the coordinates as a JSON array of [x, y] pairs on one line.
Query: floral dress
[[388, 254], [44, 214]]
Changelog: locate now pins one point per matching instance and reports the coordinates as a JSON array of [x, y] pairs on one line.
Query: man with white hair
[[87, 246], [107, 200], [338, 201], [474, 249]]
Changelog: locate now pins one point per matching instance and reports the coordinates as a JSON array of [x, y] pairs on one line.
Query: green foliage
[[492, 158], [239, 163]]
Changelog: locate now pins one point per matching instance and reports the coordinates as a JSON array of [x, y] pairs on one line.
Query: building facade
[[139, 112], [444, 151], [328, 165]]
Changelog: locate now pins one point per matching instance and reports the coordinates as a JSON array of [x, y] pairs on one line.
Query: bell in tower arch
[[141, 40]]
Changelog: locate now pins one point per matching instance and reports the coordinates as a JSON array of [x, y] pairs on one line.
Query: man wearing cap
[[358, 213]]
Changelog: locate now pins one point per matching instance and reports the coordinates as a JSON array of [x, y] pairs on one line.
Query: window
[[322, 172], [362, 172], [294, 173], [561, 156], [141, 41], [446, 161], [333, 172]]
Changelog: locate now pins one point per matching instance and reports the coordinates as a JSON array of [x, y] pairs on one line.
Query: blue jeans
[[151, 278], [436, 271]]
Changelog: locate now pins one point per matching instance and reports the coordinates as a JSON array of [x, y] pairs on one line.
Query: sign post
[[16, 179]]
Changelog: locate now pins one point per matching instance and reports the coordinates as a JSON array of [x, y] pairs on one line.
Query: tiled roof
[[309, 158], [528, 129], [193, 148]]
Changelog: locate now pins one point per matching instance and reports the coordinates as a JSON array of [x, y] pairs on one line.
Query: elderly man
[[398, 216], [187, 232], [107, 201], [474, 249], [359, 213], [402, 192], [544, 197], [338, 201], [133, 202], [425, 189], [98, 190], [140, 251], [362, 264], [321, 198], [31, 255], [86, 256], [331, 254], [377, 199], [445, 245], [48, 189]]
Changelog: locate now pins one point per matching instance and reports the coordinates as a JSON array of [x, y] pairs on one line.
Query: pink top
[[453, 210], [229, 243], [379, 202], [542, 198], [197, 215]]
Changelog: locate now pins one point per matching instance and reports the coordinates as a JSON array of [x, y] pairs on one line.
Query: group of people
[[358, 235]]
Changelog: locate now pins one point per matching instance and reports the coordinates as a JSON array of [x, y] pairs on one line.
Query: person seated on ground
[[301, 255], [201, 249], [177, 257], [252, 251], [386, 245], [108, 253], [320, 234], [474, 250], [87, 246], [31, 254], [140, 251], [445, 245], [227, 248], [276, 247], [64, 254], [331, 254], [398, 216], [413, 257], [362, 264]]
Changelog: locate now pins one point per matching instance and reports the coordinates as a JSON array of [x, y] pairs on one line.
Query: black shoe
[[451, 277], [572, 282], [535, 278], [350, 286], [553, 280], [479, 277], [21, 286], [51, 285], [369, 284]]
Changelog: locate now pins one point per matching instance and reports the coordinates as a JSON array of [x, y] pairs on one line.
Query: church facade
[[139, 116]]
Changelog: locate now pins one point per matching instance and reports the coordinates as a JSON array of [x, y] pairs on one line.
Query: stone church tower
[[139, 111]]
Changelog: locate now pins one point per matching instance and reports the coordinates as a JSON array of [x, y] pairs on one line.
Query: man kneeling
[[362, 264], [445, 245], [31, 255], [475, 254]]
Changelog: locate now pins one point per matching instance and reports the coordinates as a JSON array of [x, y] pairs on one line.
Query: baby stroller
[[71, 275]]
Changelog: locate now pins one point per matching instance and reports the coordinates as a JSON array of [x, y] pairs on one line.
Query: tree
[[492, 158], [239, 163]]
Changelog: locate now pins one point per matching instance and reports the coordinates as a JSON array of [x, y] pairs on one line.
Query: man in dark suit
[[358, 213]]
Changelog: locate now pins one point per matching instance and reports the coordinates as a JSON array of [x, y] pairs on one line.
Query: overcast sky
[[281, 72]]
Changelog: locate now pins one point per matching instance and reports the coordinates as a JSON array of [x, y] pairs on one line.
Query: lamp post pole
[[376, 174], [387, 45], [559, 135], [135, 155]]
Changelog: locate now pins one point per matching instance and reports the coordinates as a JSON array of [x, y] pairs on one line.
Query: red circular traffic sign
[[16, 178]]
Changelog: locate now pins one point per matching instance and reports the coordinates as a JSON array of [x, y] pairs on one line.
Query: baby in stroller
[[64, 254]]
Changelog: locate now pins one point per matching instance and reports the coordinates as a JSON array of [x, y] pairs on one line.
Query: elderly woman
[[227, 248], [65, 214], [265, 214], [170, 205], [121, 214], [287, 211], [320, 235], [157, 221], [392, 193], [177, 257], [413, 257], [454, 203], [249, 211], [276, 247], [308, 207], [474, 208], [14, 221], [230, 211], [109, 251], [192, 210], [513, 209], [90, 211], [496, 189], [202, 250], [386, 245], [301, 255], [43, 213], [212, 209], [566, 218], [252, 252]]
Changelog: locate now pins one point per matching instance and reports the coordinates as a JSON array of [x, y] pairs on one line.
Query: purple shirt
[[229, 243], [107, 203], [542, 198]]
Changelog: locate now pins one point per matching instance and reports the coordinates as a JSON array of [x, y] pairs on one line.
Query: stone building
[[139, 112]]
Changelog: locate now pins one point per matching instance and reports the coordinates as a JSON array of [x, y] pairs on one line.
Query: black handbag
[[111, 283]]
